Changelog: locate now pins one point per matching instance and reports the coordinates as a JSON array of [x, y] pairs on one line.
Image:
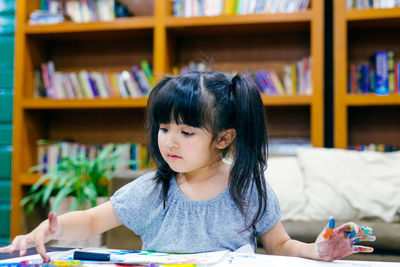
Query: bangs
[[180, 101]]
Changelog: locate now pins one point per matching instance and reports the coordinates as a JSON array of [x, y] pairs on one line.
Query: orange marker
[[331, 226]]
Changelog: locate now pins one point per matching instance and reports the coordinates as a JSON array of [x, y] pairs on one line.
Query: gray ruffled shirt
[[188, 226]]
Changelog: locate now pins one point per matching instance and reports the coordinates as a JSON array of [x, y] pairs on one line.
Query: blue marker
[[92, 256]]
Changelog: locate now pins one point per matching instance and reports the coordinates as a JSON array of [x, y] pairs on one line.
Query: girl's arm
[[81, 225], [277, 242], [331, 244], [77, 225]]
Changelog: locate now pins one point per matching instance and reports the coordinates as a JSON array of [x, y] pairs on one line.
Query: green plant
[[80, 177]]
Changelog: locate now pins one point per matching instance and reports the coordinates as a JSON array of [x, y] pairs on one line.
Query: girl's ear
[[225, 138]]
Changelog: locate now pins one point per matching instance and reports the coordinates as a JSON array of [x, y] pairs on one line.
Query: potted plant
[[79, 177]]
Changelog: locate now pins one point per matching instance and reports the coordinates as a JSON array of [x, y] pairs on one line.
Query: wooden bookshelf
[[361, 119], [234, 43], [85, 103], [117, 25]]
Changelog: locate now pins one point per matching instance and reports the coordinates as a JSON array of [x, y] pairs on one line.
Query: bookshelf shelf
[[372, 100], [372, 14], [301, 16], [269, 100], [237, 43], [85, 103], [286, 100], [361, 119], [116, 25], [29, 178]]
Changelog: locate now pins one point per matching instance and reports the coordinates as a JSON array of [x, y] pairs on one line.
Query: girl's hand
[[45, 232], [333, 244]]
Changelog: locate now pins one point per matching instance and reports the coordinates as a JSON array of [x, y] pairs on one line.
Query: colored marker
[[331, 226], [179, 265], [31, 262], [92, 256], [67, 263]]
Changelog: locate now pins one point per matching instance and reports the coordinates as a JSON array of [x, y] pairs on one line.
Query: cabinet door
[[6, 104], [5, 162]]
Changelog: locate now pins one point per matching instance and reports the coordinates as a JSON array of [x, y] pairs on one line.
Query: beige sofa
[[363, 187]]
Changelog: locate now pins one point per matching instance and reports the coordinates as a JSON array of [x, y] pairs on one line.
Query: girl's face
[[185, 148]]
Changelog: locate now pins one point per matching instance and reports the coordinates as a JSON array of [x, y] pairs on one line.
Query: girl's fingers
[[5, 249], [14, 245], [329, 228], [22, 247], [39, 244], [362, 249], [348, 229], [366, 230], [359, 238]]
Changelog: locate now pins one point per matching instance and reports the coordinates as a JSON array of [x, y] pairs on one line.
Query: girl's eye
[[187, 133], [164, 130]]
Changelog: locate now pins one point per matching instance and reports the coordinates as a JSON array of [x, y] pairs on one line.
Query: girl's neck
[[205, 174], [205, 183]]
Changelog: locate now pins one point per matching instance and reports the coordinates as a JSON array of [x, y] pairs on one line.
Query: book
[[60, 92], [287, 80], [390, 67], [276, 82], [85, 12], [141, 82], [84, 83], [76, 84], [72, 8], [51, 72], [148, 72], [45, 17], [93, 86], [397, 77], [111, 90], [229, 7], [40, 90], [100, 84], [69, 88], [113, 83], [380, 60], [261, 81], [363, 81], [130, 85], [121, 85], [353, 79]]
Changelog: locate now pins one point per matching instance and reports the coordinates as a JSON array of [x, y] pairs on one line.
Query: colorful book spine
[[148, 72], [46, 81], [93, 86], [140, 81], [50, 153], [390, 63], [397, 76], [381, 73], [364, 78], [51, 73]]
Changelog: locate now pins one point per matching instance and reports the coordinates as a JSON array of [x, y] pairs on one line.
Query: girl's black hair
[[216, 102]]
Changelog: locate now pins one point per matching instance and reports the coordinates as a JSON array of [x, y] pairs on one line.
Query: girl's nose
[[171, 141]]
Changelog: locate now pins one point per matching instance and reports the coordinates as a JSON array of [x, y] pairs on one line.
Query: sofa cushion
[[122, 237], [350, 185], [285, 177]]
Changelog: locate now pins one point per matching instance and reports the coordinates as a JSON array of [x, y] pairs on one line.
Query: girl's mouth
[[173, 156]]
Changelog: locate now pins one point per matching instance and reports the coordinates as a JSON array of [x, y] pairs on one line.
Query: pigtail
[[250, 148]]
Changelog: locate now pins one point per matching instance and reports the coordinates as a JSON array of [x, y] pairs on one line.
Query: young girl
[[195, 201]]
